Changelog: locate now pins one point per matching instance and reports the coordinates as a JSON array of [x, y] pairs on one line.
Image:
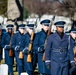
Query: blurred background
[[20, 11]]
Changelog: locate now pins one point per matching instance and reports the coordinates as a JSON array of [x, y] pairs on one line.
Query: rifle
[[20, 55], [48, 33], [75, 51], [43, 57], [29, 57], [11, 50]]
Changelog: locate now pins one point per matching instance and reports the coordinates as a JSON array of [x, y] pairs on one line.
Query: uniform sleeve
[[35, 43], [3, 40], [71, 53], [14, 41], [48, 49], [27, 41]]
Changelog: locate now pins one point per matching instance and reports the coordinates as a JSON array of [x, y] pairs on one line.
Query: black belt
[[59, 50]]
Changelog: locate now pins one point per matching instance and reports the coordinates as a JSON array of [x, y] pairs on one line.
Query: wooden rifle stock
[[43, 57], [75, 50], [21, 55], [10, 52], [29, 57]]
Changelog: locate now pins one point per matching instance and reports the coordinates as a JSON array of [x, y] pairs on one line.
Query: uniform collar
[[58, 37], [44, 32], [10, 34], [20, 33], [61, 35]]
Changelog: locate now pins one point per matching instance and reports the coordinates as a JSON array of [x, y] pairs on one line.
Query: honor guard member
[[18, 44], [28, 66], [73, 48], [39, 43], [56, 53], [9, 60], [1, 40]]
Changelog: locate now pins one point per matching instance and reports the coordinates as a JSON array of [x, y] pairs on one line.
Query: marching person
[[73, 48], [39, 48], [1, 40], [28, 66], [9, 53], [56, 53], [18, 45]]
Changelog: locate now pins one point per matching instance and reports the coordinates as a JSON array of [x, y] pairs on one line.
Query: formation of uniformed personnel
[[39, 42], [18, 44], [9, 54], [51, 54], [28, 66], [57, 53]]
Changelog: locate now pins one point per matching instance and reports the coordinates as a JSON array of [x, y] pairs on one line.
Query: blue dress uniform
[[18, 43], [38, 47], [6, 44], [57, 53], [72, 45], [1, 44], [28, 66]]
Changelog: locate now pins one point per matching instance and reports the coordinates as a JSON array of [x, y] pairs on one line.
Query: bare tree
[[70, 5], [38, 6], [64, 7]]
